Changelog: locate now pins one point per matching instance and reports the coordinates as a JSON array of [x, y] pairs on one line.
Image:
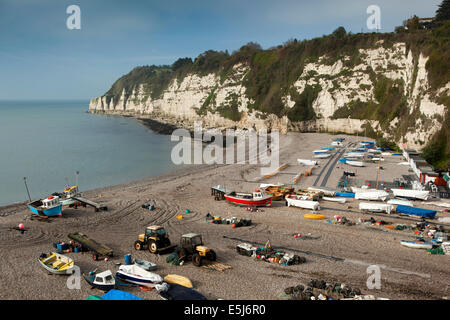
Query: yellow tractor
[[191, 247], [155, 238]]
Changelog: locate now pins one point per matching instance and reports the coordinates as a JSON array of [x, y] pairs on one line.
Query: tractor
[[155, 238], [191, 247]]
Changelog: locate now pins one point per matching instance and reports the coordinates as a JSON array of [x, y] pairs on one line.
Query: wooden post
[[28, 192]]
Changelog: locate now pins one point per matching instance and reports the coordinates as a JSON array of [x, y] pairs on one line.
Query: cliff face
[[380, 88]]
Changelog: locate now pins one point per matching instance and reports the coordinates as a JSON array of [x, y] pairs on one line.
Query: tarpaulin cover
[[416, 211], [178, 292], [114, 294], [345, 194]]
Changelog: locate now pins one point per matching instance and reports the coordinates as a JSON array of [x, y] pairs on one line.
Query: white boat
[[376, 159], [137, 275], [411, 194], [374, 151], [376, 207], [401, 202], [320, 151], [417, 244], [340, 200], [298, 201], [372, 195], [438, 204], [322, 156], [307, 162], [354, 155], [355, 163], [386, 154], [403, 164], [337, 144], [327, 192]]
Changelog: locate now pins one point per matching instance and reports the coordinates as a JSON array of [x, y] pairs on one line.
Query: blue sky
[[41, 59]]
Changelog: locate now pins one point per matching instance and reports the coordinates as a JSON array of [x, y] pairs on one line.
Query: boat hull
[[136, 280], [55, 211], [265, 202], [103, 287]]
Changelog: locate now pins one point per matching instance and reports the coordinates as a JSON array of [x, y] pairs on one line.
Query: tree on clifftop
[[443, 13]]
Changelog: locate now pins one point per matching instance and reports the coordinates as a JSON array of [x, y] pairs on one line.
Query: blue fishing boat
[[49, 206]]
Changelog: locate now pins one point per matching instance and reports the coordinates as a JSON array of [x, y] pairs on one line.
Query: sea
[[48, 142]]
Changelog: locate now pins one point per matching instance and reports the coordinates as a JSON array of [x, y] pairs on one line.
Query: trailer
[[87, 244], [95, 205]]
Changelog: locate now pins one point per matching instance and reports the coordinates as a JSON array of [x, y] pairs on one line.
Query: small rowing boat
[[56, 263], [144, 264], [417, 244]]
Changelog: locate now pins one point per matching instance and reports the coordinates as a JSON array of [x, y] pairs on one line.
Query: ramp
[[96, 205]]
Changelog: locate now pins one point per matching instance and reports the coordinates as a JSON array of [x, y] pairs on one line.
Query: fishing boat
[[411, 194], [49, 206], [103, 280], [278, 192], [66, 196], [146, 265], [302, 202], [256, 199], [417, 244], [137, 275], [56, 263]]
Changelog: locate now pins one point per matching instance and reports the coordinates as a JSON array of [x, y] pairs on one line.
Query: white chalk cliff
[[180, 102]]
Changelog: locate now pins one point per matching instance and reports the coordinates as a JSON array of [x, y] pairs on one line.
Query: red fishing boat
[[256, 199]]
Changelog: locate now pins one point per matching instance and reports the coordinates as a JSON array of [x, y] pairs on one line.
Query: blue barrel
[[127, 259], [76, 249], [59, 246]]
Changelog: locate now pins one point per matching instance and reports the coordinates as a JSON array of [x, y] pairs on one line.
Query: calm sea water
[[48, 141]]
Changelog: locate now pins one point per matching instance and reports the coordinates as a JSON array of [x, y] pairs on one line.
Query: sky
[[40, 58]]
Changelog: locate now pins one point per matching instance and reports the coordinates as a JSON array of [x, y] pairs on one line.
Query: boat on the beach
[[56, 263], [322, 155], [372, 195], [376, 207], [307, 162], [278, 192], [256, 199], [66, 197], [411, 194], [401, 202], [144, 264], [355, 163], [175, 278], [417, 244], [137, 275], [326, 191], [302, 202], [49, 206], [339, 200], [103, 280]]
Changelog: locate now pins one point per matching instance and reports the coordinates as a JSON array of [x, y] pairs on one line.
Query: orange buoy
[[21, 226], [233, 226]]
